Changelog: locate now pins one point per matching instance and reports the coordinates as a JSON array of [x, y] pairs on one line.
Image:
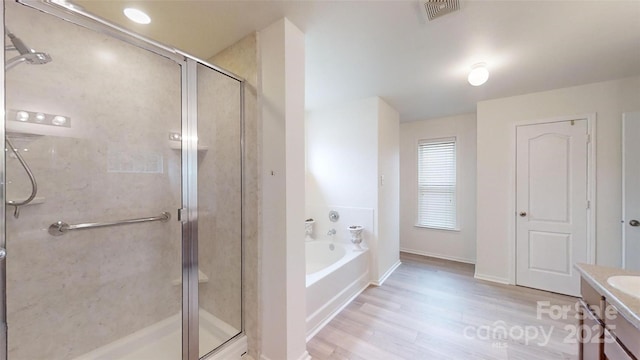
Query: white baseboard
[[492, 278], [438, 256], [304, 356], [386, 274]]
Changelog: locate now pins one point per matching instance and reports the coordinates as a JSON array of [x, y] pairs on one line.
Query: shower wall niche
[[120, 292]]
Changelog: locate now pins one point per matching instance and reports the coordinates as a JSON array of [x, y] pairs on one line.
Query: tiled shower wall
[[68, 295]]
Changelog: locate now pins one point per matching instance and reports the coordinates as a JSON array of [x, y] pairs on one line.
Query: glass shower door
[[98, 125], [219, 208]]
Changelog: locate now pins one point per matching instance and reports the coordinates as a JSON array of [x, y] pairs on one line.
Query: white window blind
[[437, 183]]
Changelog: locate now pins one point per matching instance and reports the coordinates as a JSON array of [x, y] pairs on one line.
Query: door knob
[[634, 223], [523, 214]]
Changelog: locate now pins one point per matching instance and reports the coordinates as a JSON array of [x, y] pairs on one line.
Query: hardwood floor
[[434, 309]]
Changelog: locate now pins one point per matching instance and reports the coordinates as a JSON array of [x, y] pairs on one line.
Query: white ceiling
[[358, 49]]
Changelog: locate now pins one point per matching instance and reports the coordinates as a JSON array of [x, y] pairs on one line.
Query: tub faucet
[[331, 232]]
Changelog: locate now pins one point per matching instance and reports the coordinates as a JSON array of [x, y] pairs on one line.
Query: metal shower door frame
[[190, 306], [188, 214], [3, 239]]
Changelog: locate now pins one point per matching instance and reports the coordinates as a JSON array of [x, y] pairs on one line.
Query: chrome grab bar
[[60, 228]]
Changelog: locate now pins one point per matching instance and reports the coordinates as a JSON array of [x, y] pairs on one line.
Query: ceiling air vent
[[438, 8]]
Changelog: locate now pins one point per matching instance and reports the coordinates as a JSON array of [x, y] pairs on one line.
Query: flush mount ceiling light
[[479, 74], [137, 16]]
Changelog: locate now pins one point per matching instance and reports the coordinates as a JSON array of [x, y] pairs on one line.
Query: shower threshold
[[163, 340]]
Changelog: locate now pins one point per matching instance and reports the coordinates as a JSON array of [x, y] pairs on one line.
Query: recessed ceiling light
[[137, 16], [478, 75]]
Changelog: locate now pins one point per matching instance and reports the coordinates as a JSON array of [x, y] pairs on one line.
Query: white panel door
[[631, 190], [551, 225]]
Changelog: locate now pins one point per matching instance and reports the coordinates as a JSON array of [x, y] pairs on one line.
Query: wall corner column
[[283, 325]]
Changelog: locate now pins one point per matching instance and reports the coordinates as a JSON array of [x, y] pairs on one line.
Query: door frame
[[591, 119], [624, 215]]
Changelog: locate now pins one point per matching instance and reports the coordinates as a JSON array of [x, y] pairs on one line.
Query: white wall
[[454, 245], [341, 155], [348, 147], [495, 183], [294, 61], [342, 168], [281, 49], [388, 189]]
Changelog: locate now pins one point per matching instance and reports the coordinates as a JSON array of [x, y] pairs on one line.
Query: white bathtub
[[336, 273]]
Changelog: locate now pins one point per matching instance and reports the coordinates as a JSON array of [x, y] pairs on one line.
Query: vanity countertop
[[597, 276]]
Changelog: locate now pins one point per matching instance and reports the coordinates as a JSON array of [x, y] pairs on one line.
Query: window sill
[[436, 228]]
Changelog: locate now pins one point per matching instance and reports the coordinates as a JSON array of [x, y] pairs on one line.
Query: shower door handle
[[3, 253], [60, 228]]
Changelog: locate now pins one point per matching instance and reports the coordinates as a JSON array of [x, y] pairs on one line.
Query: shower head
[[27, 54], [18, 44]]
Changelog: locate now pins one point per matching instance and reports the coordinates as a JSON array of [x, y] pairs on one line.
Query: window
[[437, 184]]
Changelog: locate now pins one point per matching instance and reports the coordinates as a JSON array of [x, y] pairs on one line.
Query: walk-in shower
[[129, 244]]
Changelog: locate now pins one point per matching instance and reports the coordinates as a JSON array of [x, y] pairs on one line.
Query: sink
[[629, 285]]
